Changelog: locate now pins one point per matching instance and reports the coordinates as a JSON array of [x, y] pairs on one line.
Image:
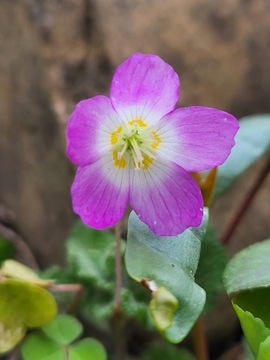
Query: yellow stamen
[[115, 135], [157, 140], [147, 161], [134, 144], [121, 163], [139, 122]]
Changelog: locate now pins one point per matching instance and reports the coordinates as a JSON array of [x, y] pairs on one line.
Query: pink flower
[[136, 148]]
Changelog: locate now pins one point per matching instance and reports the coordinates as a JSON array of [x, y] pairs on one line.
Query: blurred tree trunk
[[54, 53], [35, 174]]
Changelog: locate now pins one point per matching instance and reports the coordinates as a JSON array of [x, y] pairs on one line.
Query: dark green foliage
[[212, 263]]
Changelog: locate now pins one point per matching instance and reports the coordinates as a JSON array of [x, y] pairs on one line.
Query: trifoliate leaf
[[63, 329], [87, 349], [38, 346]]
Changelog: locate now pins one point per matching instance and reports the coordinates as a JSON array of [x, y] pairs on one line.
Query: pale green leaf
[[251, 142], [26, 303], [162, 308], [171, 263], [16, 270], [249, 269], [10, 335]]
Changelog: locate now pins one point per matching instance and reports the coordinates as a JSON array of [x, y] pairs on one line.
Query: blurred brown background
[[56, 52]]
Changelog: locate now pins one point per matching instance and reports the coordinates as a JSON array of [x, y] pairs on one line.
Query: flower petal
[[100, 193], [89, 128], [166, 198], [144, 87], [197, 138]]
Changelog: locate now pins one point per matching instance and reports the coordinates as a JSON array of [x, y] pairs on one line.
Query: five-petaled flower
[[136, 148]]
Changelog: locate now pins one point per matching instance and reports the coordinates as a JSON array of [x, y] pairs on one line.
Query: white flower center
[[134, 144]]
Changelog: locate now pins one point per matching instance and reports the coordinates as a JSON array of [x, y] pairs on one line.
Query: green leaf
[[264, 350], [248, 273], [63, 329], [16, 270], [90, 253], [252, 141], [27, 303], [169, 263], [135, 302], [249, 269], [166, 351], [38, 346], [91, 261], [22, 305], [87, 349], [7, 250], [212, 263], [162, 307], [252, 309], [10, 335]]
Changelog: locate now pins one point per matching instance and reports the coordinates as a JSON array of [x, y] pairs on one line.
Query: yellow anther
[[115, 135], [121, 163]]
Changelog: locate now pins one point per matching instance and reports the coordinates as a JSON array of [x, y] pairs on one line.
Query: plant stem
[[118, 271], [76, 288], [246, 202], [199, 340], [118, 322], [207, 186]]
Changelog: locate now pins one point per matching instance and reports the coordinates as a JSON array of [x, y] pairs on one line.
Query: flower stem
[[199, 340], [246, 202], [118, 271], [118, 322]]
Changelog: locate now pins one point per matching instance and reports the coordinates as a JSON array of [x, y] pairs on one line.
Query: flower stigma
[[134, 144]]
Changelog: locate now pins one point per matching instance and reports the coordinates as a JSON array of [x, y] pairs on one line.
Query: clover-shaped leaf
[[38, 346], [87, 349], [63, 329], [55, 342]]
